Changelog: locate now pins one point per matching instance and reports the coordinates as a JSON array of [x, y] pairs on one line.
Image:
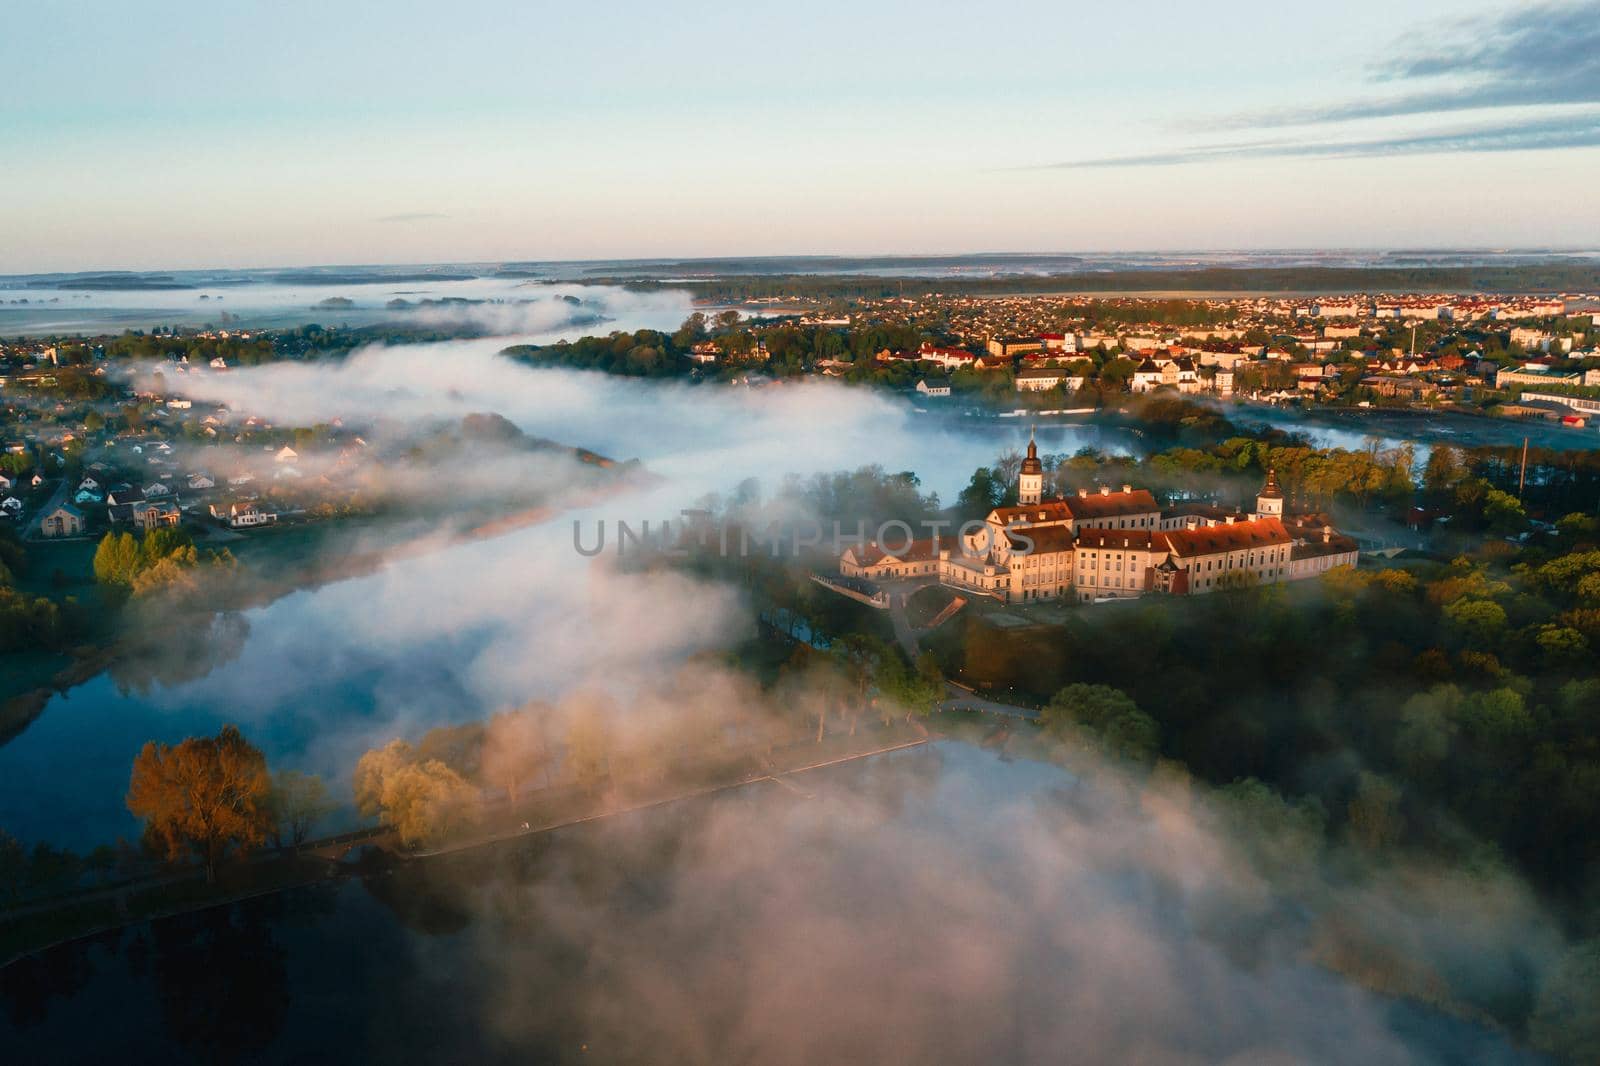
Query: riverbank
[[243, 592], [40, 926]]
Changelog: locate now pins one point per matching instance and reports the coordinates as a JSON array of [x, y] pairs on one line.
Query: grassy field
[[274, 551], [61, 568]]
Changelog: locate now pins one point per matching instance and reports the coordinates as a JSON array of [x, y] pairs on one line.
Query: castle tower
[[1030, 483], [1269, 501]]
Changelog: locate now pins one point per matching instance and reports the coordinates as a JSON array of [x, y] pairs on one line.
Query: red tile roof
[[1118, 539], [1212, 540], [871, 555], [1044, 539], [1111, 504]]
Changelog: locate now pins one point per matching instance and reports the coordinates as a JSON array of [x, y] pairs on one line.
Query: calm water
[[936, 905], [321, 676]]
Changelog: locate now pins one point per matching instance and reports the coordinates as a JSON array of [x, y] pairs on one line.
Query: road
[[57, 498], [962, 700], [904, 635]]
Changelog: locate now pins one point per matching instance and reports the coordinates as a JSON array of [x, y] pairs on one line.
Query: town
[[1512, 357], [102, 433]]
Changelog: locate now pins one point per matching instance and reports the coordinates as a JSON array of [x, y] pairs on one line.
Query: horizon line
[[1579, 250]]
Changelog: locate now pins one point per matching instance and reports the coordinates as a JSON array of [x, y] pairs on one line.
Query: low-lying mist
[[946, 906]]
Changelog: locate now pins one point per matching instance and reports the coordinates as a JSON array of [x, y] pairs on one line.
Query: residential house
[[154, 514], [64, 521], [243, 515], [1146, 377]]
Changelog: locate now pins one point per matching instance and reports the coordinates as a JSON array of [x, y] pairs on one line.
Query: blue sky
[[196, 135]]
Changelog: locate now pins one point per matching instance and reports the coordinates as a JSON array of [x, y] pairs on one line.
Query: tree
[[117, 559], [1566, 1017], [13, 863], [1283, 836], [427, 801], [207, 797], [1008, 466], [692, 331], [861, 657], [297, 802], [1426, 730], [1504, 512], [1561, 645], [1479, 621], [173, 574], [374, 769], [514, 748], [1106, 714], [588, 743], [982, 493], [1374, 812], [1441, 472], [423, 799], [920, 690], [161, 544]]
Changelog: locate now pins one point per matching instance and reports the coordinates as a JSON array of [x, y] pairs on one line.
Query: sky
[[185, 135]]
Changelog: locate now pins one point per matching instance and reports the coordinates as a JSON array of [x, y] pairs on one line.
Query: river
[[319, 676], [944, 904]]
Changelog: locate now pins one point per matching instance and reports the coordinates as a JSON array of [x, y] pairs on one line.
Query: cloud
[[553, 309], [414, 216], [1531, 57], [1538, 57], [1563, 132]]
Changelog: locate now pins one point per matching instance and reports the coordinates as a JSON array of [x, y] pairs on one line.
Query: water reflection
[[221, 979], [179, 650], [321, 675], [929, 906]]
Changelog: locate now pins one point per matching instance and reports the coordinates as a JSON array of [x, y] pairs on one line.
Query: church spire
[[1269, 501], [1031, 464], [1030, 485], [1270, 490]]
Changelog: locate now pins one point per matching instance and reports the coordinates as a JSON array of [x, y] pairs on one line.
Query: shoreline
[[89, 662], [332, 868]]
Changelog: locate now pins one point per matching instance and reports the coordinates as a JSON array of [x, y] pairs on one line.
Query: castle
[[1112, 545]]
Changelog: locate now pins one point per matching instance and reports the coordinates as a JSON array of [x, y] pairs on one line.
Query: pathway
[[57, 498], [960, 699]]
